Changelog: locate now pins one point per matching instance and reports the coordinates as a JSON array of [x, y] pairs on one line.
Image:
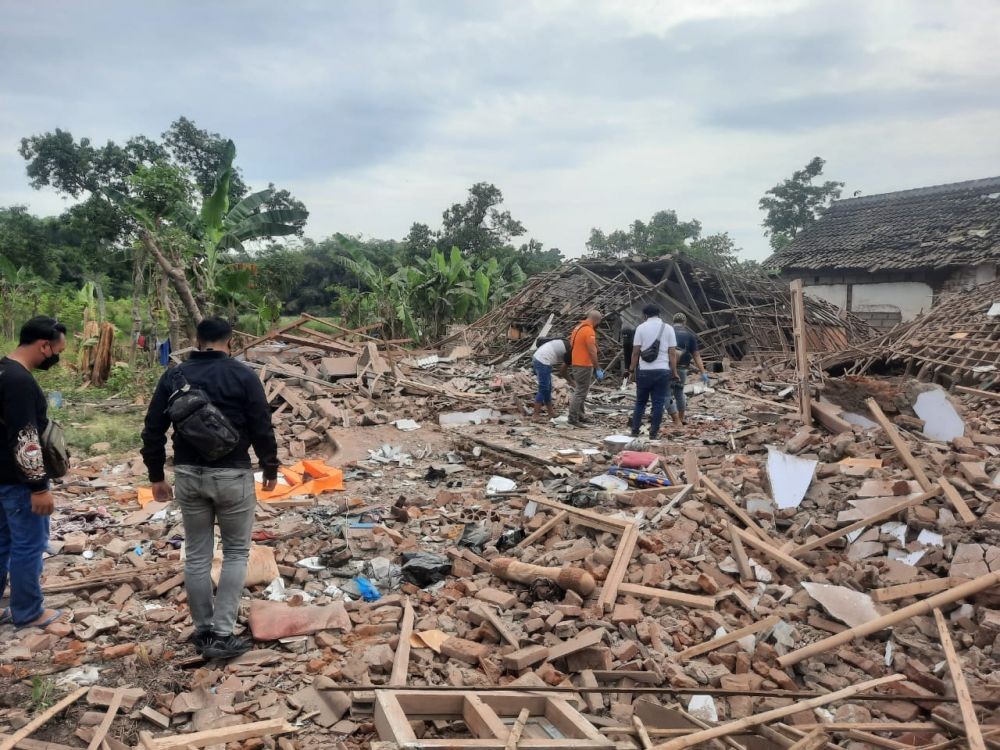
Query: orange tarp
[[304, 478]]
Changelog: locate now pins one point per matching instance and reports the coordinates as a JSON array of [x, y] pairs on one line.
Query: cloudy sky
[[378, 113]]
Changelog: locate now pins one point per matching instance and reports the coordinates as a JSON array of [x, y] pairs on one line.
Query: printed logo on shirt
[[28, 453]]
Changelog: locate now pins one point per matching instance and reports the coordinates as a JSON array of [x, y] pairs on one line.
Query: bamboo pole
[[43, 717], [733, 727], [972, 731], [881, 623]]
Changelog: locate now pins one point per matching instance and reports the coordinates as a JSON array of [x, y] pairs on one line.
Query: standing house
[[888, 257]]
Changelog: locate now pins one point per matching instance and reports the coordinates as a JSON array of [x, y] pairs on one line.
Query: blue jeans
[[650, 385], [678, 402], [23, 538], [544, 375]]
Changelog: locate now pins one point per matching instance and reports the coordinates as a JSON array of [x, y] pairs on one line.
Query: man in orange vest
[[584, 364]]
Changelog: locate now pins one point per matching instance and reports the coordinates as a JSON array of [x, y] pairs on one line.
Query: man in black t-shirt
[[688, 349], [25, 500]]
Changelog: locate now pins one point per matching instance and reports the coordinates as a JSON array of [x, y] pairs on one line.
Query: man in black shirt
[[25, 500], [210, 491], [690, 349]]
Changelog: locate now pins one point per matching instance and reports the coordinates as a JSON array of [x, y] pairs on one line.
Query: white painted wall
[[910, 298], [835, 294]]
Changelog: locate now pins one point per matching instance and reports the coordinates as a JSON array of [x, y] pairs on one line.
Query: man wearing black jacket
[[25, 500], [210, 491]]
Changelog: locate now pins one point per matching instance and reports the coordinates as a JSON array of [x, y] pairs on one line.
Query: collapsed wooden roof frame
[[734, 313]]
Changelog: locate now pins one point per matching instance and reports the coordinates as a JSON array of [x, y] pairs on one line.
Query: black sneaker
[[634, 433], [225, 647], [200, 638]]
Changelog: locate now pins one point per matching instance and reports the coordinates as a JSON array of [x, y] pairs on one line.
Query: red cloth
[[636, 459]]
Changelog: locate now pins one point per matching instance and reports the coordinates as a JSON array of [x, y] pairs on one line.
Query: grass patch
[[88, 425]]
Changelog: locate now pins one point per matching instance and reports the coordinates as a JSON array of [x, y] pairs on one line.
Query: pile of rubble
[[754, 579]]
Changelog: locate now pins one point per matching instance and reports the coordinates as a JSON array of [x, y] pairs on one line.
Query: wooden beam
[[825, 415], [843, 530], [740, 556], [972, 731], [222, 735], [704, 648], [757, 399], [899, 444], [783, 559], [977, 392], [917, 588], [401, 659], [640, 730], [812, 741], [542, 531], [514, 736], [801, 351], [734, 727], [716, 493], [677, 598], [102, 730], [691, 471], [26, 731], [921, 607], [270, 335], [619, 567], [586, 517], [956, 500]]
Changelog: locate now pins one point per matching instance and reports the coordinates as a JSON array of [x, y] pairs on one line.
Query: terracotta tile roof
[[932, 227]]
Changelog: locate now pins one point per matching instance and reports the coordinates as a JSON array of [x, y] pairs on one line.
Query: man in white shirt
[[547, 356], [654, 358]]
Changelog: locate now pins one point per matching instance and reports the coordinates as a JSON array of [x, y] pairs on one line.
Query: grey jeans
[[207, 496], [582, 378]]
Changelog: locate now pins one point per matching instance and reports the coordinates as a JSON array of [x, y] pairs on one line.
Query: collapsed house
[[887, 258], [955, 342], [734, 313]]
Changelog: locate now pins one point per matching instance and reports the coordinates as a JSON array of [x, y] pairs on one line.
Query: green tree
[[663, 234], [797, 202], [715, 248]]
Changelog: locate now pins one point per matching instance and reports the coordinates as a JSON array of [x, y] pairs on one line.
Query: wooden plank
[[498, 625], [586, 517], [899, 444], [758, 399], [677, 598], [717, 494], [640, 730], [918, 588], [691, 472], [102, 730], [843, 530], [619, 567], [222, 735], [514, 736], [26, 731], [586, 639], [957, 502], [704, 648], [542, 531], [740, 556], [828, 417], [734, 727], [972, 731], [812, 741], [594, 701], [785, 560], [921, 607], [801, 351], [977, 392], [401, 659]]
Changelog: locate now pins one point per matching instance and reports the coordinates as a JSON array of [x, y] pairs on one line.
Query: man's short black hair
[[650, 311], [41, 328], [214, 329]]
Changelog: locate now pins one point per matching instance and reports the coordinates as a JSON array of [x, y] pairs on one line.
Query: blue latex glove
[[704, 378], [599, 373]]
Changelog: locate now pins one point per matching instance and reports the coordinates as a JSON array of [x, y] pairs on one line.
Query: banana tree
[[227, 229]]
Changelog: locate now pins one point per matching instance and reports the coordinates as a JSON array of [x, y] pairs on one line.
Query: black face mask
[[49, 362]]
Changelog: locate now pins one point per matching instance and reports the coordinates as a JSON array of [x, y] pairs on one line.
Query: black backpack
[[199, 421]]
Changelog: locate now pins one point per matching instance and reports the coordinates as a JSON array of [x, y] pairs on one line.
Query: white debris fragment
[[703, 707], [847, 605], [941, 421], [790, 477]]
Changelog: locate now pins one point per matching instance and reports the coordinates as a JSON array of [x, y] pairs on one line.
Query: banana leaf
[[242, 210]]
